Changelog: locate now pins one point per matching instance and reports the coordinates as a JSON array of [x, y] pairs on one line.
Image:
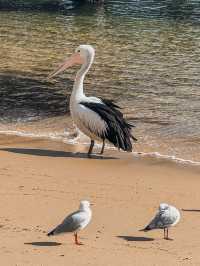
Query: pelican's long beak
[[73, 60]]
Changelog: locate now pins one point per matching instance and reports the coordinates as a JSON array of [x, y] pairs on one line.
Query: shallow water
[[147, 59]]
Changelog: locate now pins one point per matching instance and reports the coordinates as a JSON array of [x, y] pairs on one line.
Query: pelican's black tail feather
[[118, 129]]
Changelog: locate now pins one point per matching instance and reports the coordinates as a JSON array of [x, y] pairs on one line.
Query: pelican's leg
[[76, 239], [103, 146], [164, 233], [91, 147]]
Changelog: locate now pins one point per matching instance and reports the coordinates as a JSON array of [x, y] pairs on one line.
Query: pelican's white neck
[[77, 93]]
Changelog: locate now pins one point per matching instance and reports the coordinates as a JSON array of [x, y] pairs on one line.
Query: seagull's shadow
[[43, 244], [53, 153], [136, 238]]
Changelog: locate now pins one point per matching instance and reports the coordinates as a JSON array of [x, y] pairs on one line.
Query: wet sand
[[42, 181]]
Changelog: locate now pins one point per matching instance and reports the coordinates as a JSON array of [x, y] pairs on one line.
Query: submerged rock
[[37, 4]]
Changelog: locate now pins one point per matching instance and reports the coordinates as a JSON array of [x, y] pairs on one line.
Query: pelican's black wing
[[118, 129]]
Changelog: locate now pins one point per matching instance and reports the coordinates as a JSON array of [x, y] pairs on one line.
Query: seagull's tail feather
[[147, 228], [51, 233]]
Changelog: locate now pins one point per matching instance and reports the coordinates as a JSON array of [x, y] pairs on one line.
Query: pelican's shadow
[[44, 244], [136, 238], [54, 153]]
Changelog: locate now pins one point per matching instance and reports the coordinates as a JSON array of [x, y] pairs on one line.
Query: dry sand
[[42, 181]]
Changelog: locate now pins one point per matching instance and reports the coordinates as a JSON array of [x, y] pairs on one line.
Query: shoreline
[[154, 155]]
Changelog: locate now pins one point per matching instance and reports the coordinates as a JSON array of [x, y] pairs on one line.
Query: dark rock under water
[[29, 98], [38, 4]]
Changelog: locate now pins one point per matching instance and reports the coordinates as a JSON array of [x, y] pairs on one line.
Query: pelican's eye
[[78, 51]]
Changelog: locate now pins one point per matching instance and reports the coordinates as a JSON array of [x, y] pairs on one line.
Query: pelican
[[100, 119]]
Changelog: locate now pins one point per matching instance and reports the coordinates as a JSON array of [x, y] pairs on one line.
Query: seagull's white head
[[84, 54], [84, 205], [163, 207]]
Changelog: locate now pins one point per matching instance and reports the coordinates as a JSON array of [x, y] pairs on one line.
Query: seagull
[[75, 221], [166, 217], [99, 119]]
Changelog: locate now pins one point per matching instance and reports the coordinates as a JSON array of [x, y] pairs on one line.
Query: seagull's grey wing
[[155, 222], [71, 223], [168, 218], [161, 220]]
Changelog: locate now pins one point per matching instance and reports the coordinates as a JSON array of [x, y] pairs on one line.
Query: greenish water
[[147, 59]]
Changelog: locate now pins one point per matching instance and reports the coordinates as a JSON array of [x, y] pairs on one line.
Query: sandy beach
[[42, 181]]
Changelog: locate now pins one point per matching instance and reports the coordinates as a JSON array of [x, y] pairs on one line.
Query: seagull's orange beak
[[75, 59]]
